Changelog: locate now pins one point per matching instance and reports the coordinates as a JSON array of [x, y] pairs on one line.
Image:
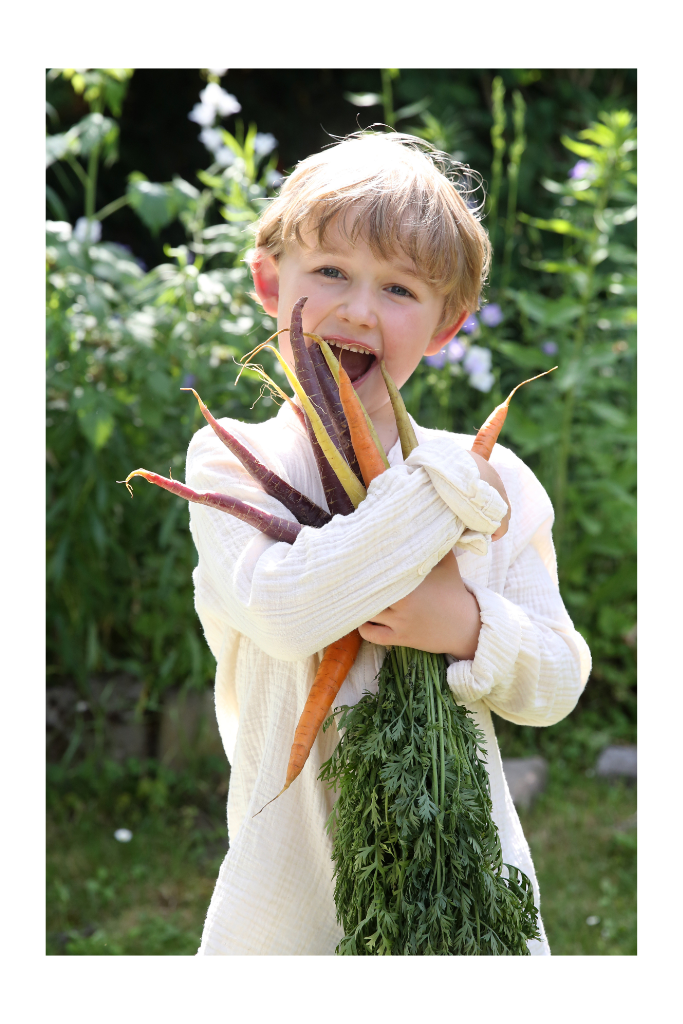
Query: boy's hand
[[440, 616], [490, 476]]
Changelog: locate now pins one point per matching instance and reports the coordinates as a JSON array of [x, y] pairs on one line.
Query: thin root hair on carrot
[[286, 786], [258, 348], [530, 380]]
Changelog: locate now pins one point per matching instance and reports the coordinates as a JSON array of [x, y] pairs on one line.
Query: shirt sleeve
[[530, 665], [294, 600]]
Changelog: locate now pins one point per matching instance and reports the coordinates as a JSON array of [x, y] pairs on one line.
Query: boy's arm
[[530, 665], [294, 600], [518, 650]]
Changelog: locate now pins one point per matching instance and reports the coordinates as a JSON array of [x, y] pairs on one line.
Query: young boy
[[392, 261]]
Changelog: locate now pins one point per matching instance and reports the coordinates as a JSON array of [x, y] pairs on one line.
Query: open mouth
[[358, 364]]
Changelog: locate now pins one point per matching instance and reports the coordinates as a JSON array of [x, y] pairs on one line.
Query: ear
[[266, 275], [440, 339]]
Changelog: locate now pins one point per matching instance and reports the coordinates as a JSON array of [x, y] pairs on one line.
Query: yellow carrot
[[333, 364], [347, 477], [405, 427]]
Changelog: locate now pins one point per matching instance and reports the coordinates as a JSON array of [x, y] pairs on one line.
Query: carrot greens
[[419, 868]]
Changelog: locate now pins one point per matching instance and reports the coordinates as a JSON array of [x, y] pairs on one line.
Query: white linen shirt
[[268, 610]]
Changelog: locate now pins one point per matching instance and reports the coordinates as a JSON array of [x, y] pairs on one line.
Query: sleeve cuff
[[455, 477], [499, 643]]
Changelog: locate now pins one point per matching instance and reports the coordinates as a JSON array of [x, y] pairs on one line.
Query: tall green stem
[[388, 95], [498, 143], [516, 150], [562, 463], [91, 187], [112, 207]]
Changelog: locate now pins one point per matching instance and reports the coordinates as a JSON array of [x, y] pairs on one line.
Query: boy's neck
[[384, 423]]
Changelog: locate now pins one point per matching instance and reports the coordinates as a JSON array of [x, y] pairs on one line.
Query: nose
[[358, 308]]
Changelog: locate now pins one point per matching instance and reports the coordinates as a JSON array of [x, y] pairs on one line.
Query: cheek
[[406, 342]]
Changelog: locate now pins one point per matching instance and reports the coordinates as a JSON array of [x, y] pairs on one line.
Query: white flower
[[477, 360], [212, 139], [482, 381], [124, 835], [224, 156], [264, 143], [60, 228], [223, 102], [202, 113], [87, 231]]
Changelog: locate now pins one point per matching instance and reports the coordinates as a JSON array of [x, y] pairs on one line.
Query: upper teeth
[[354, 348]]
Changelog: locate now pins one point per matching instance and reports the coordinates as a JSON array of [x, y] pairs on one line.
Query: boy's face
[[356, 300]]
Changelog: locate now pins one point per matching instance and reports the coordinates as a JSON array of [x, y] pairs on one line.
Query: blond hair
[[407, 195]]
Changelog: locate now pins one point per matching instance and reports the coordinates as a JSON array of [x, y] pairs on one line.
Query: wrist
[[464, 643]]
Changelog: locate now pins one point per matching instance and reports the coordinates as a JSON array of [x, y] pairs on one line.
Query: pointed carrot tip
[[194, 393]]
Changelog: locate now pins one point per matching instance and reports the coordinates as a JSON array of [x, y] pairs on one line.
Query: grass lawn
[[149, 896], [582, 834]]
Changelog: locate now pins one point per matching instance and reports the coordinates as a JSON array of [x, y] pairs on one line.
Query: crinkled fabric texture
[[269, 609]]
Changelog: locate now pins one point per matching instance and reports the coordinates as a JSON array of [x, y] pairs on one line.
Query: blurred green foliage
[[122, 341], [121, 344]]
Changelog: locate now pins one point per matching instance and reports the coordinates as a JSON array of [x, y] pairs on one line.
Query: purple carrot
[[272, 526], [301, 506], [337, 499], [330, 391]]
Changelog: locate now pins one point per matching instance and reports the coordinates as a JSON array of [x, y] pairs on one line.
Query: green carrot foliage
[[418, 861]]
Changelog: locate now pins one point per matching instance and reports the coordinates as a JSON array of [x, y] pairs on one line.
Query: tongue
[[355, 363]]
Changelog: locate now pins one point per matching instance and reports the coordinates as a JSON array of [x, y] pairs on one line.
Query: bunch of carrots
[[348, 455]]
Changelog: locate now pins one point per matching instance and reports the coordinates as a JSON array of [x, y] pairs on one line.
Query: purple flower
[[491, 315], [581, 169], [438, 361], [549, 347], [455, 350], [470, 324], [188, 380]]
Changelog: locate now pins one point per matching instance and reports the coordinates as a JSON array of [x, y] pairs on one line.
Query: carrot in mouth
[[336, 497]]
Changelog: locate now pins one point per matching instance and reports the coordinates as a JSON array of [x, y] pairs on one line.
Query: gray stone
[[105, 722], [188, 728], [615, 762], [526, 778]]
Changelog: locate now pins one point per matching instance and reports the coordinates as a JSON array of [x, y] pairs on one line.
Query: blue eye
[[330, 272], [396, 289]]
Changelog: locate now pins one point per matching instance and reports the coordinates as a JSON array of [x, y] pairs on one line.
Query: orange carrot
[[487, 435], [333, 670], [369, 459]]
